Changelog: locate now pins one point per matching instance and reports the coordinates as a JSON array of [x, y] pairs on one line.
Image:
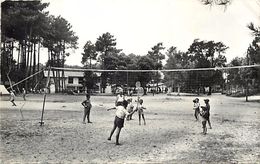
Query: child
[[87, 106], [24, 94], [140, 110], [121, 112], [120, 97], [130, 108], [208, 107], [12, 96], [205, 116], [196, 108]]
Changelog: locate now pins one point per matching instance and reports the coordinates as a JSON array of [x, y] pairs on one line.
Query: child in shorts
[[87, 107], [196, 108], [205, 116], [140, 110], [208, 108], [12, 97], [130, 108], [121, 112], [24, 94]]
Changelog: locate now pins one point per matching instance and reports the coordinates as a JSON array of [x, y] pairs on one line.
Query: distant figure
[[130, 92], [87, 107], [24, 94], [12, 97], [121, 112], [120, 97], [196, 108], [140, 110]]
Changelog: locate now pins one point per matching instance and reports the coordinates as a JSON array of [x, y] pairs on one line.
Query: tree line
[[103, 54], [26, 27]]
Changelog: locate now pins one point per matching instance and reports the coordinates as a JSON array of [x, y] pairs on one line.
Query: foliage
[[29, 27], [88, 54], [23, 23], [208, 54]]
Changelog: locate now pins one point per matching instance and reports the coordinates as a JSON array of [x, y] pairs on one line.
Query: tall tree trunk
[[30, 66], [34, 62], [39, 47], [23, 61], [38, 65], [27, 64], [62, 62], [58, 72], [12, 51], [18, 56]]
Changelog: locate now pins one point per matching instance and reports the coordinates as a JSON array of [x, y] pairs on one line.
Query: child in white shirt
[[121, 112], [196, 108], [130, 108], [140, 110]]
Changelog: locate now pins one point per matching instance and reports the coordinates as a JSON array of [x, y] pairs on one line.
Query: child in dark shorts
[[205, 116], [121, 112], [208, 107], [87, 106]]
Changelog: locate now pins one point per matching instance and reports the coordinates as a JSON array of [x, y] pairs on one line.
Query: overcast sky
[[138, 25]]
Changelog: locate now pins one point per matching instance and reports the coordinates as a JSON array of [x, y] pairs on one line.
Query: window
[[81, 80], [70, 80]]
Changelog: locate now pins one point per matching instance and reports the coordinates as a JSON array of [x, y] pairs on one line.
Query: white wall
[[75, 80]]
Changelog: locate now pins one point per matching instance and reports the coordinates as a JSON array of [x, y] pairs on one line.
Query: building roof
[[66, 74]]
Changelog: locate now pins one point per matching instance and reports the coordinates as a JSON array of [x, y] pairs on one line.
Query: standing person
[[140, 110], [130, 108], [12, 97], [24, 94], [130, 92], [87, 106], [120, 97], [205, 116], [208, 108], [121, 112], [196, 108]]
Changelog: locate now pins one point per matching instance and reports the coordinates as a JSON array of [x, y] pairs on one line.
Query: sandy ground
[[171, 135]]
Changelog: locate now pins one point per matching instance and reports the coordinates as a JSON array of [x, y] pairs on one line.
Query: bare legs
[[140, 119], [204, 127], [13, 102], [209, 124], [117, 134], [196, 114], [86, 114]]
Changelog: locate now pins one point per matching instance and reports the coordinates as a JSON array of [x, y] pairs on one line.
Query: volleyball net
[[229, 80]]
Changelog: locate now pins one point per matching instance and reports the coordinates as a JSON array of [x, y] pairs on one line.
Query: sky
[[138, 25]]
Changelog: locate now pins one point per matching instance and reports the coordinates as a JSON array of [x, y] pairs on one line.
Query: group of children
[[204, 112], [124, 109]]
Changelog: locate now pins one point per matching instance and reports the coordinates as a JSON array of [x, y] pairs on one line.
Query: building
[[73, 81]]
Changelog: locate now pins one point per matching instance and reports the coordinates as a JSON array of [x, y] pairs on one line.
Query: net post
[[44, 97]]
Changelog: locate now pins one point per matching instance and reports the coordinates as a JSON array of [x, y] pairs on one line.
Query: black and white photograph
[[130, 81]]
